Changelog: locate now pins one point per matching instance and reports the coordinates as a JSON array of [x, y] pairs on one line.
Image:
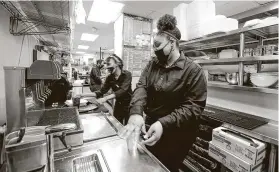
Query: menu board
[[137, 43]]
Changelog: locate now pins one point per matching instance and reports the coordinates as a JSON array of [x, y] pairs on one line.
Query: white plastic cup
[[132, 141]]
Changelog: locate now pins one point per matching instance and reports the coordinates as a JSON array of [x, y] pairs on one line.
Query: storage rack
[[256, 34]]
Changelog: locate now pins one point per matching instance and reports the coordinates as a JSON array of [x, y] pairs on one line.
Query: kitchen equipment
[[52, 117], [270, 50], [235, 118], [265, 79], [57, 131], [17, 139], [253, 22], [248, 52], [17, 81], [212, 55], [232, 78], [95, 162], [221, 24], [221, 78], [87, 108], [83, 102], [27, 155], [270, 19], [228, 53], [258, 51], [76, 101]]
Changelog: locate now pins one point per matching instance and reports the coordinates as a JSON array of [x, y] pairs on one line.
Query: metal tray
[[97, 126], [92, 163]]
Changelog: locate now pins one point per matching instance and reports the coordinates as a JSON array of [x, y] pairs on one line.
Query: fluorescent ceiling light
[[83, 47], [111, 50], [80, 52], [105, 11], [89, 37]]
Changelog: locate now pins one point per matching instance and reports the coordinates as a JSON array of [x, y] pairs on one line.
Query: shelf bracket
[[241, 54]]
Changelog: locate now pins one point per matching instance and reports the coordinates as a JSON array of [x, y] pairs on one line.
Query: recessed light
[[83, 47], [110, 14], [89, 37]]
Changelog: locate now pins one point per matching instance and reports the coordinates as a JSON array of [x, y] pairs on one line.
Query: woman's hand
[[88, 95], [101, 100], [135, 121], [154, 134]]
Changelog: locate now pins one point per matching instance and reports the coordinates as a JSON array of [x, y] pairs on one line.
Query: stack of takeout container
[[236, 151]]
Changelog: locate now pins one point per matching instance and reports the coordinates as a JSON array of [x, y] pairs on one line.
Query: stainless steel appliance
[[17, 79], [30, 153]]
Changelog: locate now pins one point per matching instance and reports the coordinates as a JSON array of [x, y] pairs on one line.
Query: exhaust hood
[[45, 70]]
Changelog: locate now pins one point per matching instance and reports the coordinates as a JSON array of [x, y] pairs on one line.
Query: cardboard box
[[231, 161], [244, 147]]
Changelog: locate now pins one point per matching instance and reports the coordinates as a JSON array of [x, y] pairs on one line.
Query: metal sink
[[95, 162]]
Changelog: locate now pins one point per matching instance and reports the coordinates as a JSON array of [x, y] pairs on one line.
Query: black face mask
[[100, 66], [163, 59], [111, 70]]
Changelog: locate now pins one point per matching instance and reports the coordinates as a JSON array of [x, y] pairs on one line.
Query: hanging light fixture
[[80, 12]]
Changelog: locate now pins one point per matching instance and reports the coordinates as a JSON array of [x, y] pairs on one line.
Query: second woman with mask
[[119, 81]]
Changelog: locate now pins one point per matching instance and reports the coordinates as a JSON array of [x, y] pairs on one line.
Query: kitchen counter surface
[[115, 151]]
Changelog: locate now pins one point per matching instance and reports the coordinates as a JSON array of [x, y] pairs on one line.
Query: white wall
[[9, 54]]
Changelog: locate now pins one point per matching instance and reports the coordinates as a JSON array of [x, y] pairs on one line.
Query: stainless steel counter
[[115, 151]]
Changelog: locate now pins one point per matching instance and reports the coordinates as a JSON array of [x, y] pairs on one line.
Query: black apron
[[174, 144], [121, 111]]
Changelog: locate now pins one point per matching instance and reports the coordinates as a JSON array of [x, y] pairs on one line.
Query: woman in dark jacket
[[119, 81], [172, 92]]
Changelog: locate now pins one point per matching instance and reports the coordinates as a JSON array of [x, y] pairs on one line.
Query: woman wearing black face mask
[[119, 81], [172, 92], [95, 76]]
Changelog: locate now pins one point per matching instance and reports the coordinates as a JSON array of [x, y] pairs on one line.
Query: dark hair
[[167, 25], [99, 61], [116, 59]]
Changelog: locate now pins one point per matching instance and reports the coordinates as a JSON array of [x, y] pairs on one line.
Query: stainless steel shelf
[[254, 59], [252, 35], [267, 133], [226, 85]]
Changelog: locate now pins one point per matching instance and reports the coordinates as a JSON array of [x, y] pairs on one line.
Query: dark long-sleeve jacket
[[95, 79], [121, 87], [175, 96]]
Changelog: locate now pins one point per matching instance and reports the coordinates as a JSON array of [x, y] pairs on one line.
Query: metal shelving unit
[[266, 31], [225, 85], [245, 60], [256, 34]]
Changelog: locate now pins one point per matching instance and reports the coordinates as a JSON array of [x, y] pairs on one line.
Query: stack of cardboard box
[[236, 151]]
